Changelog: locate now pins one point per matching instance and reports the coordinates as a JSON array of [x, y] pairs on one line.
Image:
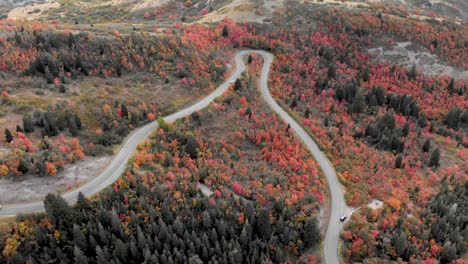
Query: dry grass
[[5, 222]]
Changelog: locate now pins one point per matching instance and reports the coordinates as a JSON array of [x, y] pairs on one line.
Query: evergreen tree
[[73, 127], [8, 135], [225, 31], [358, 104], [311, 233], [331, 72], [434, 160], [22, 166], [263, 223], [452, 118], [28, 124], [124, 110], [58, 211], [400, 243], [293, 103], [192, 147], [426, 146], [82, 202], [237, 85], [19, 129], [451, 86], [79, 239], [405, 129], [399, 162]]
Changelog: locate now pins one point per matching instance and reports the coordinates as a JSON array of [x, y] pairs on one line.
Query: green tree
[[399, 162], [451, 86], [400, 244], [452, 119], [82, 202], [124, 110], [311, 233], [79, 239], [426, 146], [405, 129], [263, 223], [28, 125], [434, 160], [225, 31], [58, 211], [77, 121], [191, 147], [237, 85], [331, 72], [8, 135], [359, 103], [22, 166], [73, 127]]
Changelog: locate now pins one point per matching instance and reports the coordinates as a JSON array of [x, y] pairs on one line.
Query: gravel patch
[[30, 187], [409, 54]]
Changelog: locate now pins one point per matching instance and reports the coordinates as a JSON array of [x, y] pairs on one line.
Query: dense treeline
[[141, 220], [147, 225], [57, 55]]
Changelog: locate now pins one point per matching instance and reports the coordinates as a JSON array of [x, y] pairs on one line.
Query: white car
[[343, 218], [231, 81]]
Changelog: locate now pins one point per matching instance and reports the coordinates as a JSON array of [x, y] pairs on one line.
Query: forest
[[158, 213], [391, 132], [63, 60]]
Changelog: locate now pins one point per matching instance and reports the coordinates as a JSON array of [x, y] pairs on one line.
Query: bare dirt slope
[[29, 187], [409, 54]]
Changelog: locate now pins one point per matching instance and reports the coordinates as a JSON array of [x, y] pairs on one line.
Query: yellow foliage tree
[[394, 203]]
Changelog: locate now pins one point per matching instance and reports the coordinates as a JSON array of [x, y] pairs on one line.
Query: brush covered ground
[[266, 191], [66, 95], [392, 133]]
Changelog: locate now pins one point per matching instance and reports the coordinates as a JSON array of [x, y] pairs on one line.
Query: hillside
[[378, 88]]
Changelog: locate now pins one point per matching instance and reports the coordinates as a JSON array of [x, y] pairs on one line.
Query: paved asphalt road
[[118, 164]]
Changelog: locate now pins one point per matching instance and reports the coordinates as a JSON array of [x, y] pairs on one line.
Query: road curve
[[117, 166]]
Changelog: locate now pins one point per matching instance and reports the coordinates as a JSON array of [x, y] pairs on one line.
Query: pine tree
[[124, 111], [19, 129], [405, 129], [192, 147], [73, 127], [399, 162], [452, 118], [263, 223], [225, 31], [237, 85], [58, 211], [22, 166], [82, 202], [358, 104], [79, 239], [451, 86], [8, 135], [311, 233], [434, 160], [331, 72], [28, 124], [426, 146]]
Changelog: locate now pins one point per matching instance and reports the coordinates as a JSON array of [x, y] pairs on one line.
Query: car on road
[[231, 81], [343, 218]]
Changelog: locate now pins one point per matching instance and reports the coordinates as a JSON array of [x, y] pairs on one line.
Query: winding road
[[115, 169]]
